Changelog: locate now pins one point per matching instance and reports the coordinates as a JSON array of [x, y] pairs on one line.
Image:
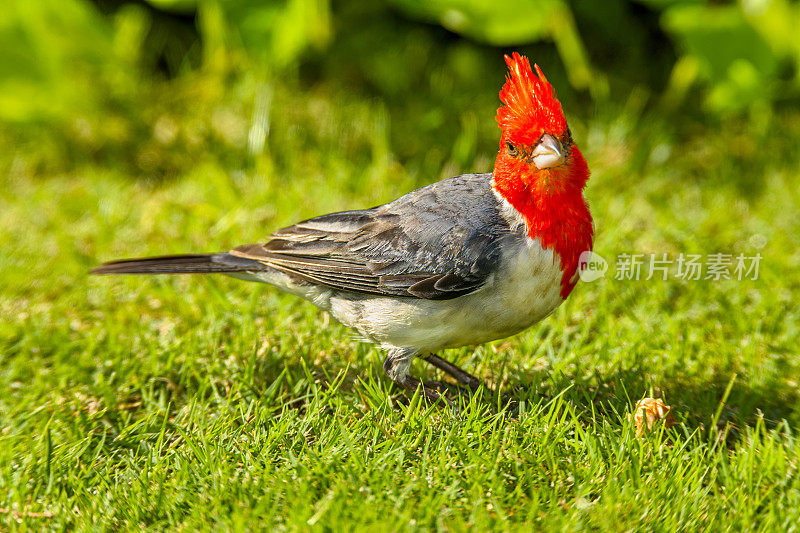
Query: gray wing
[[437, 242]]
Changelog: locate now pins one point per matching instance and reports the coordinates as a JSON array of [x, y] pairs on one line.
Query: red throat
[[550, 200], [552, 205]]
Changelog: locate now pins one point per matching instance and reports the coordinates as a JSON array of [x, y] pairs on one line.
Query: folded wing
[[438, 242]]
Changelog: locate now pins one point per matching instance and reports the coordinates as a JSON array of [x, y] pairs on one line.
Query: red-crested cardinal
[[462, 261]]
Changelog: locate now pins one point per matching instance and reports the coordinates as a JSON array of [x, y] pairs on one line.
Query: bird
[[459, 262]]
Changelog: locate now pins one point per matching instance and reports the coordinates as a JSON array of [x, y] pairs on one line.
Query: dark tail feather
[[180, 264]]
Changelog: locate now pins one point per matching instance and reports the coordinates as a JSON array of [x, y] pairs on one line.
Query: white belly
[[524, 291]]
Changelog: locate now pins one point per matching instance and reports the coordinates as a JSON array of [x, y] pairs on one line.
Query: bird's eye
[[512, 149]]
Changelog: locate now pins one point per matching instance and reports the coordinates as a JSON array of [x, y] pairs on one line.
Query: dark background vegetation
[[158, 87]]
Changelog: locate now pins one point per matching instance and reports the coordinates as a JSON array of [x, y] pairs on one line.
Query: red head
[[539, 170]]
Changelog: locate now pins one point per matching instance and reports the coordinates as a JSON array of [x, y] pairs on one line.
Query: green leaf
[[497, 23], [730, 54], [513, 23]]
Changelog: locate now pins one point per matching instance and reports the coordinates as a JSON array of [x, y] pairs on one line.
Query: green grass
[[191, 402]]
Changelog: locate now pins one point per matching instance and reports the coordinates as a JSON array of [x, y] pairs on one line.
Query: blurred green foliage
[[158, 85], [747, 54], [513, 23]]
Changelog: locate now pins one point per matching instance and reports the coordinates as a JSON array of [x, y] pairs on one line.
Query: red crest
[[531, 107]]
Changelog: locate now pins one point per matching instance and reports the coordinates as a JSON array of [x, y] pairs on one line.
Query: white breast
[[525, 289]]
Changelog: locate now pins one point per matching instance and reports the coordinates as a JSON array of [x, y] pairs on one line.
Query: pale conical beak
[[548, 153]]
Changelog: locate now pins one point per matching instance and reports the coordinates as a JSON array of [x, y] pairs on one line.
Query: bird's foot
[[433, 391], [506, 401], [460, 375], [397, 364]]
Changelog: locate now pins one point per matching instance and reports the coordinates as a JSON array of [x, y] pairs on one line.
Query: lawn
[[187, 402]]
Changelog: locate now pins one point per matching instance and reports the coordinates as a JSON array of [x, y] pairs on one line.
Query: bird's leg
[[397, 364], [460, 375]]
